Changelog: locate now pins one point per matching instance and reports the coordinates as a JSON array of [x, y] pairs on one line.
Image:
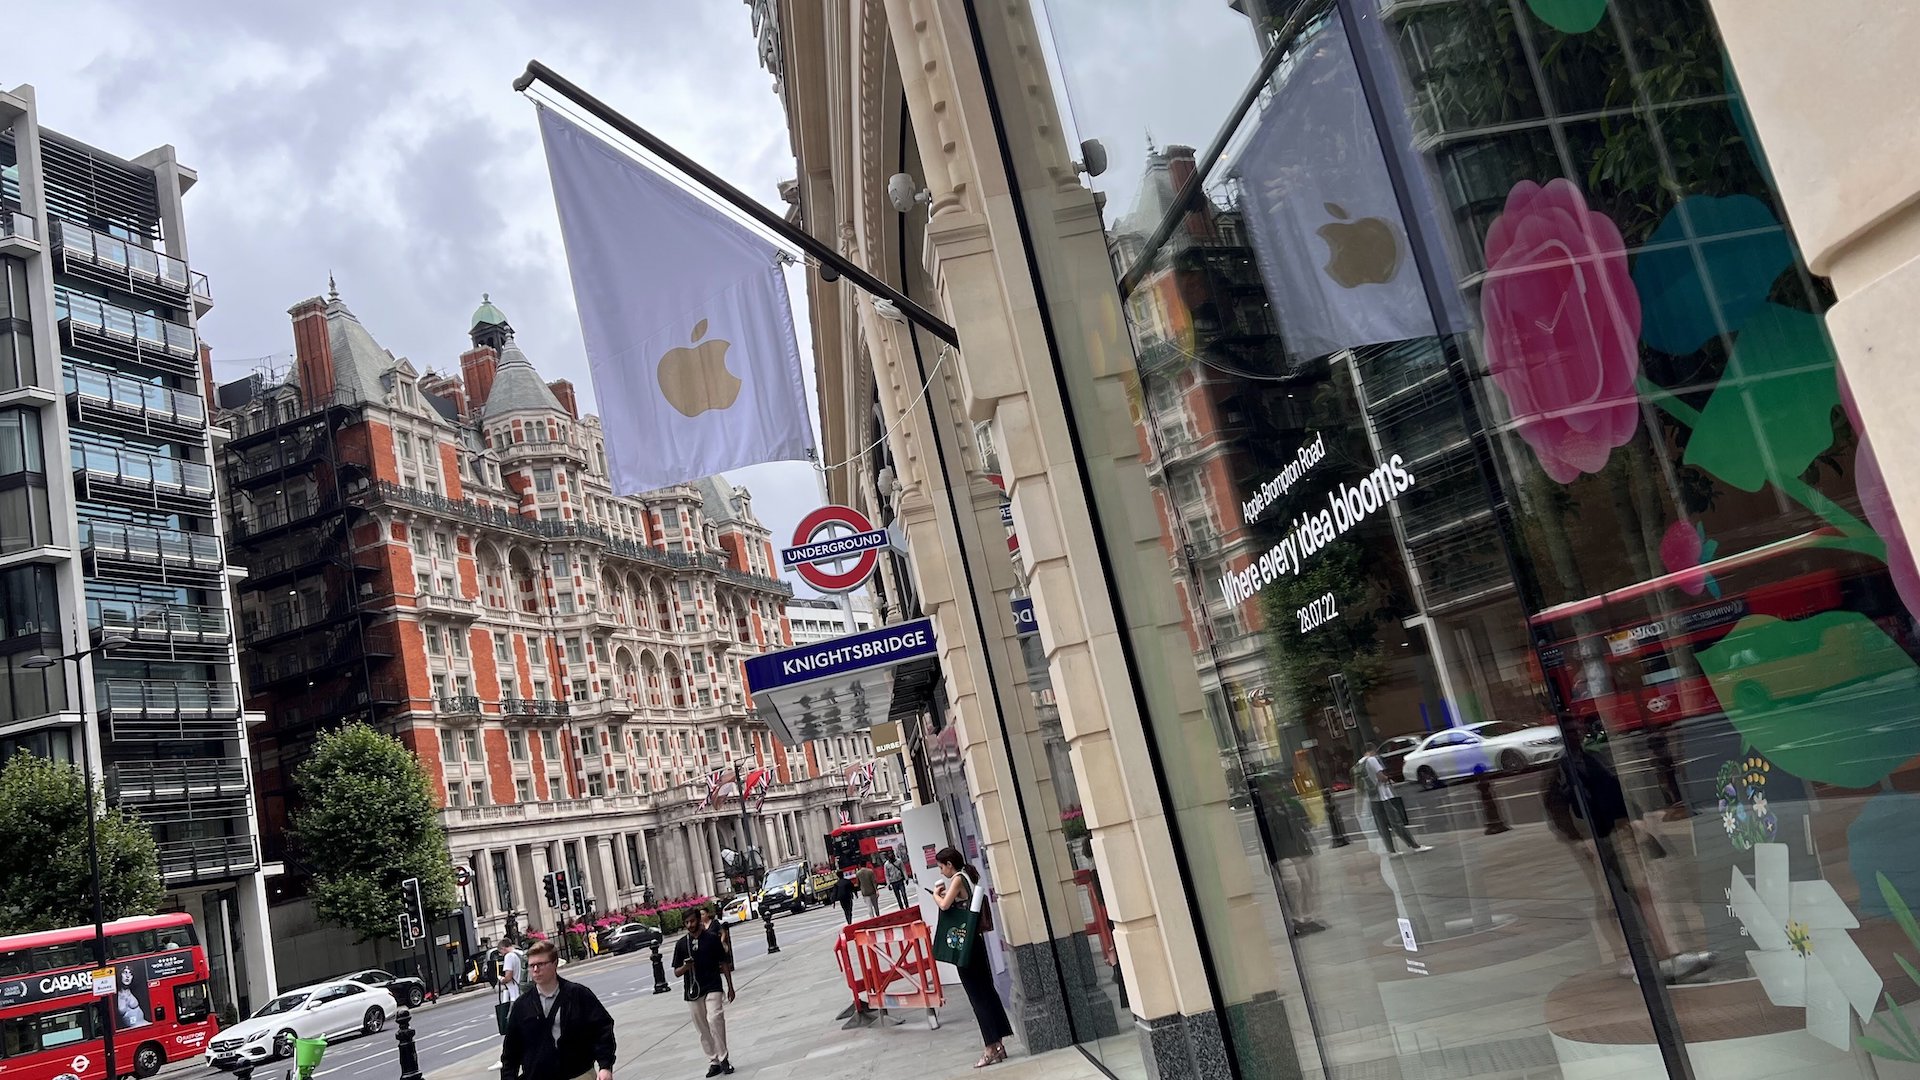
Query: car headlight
[[258, 1035], [1550, 740]]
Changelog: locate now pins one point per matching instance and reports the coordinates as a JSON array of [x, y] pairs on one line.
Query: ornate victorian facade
[[443, 556]]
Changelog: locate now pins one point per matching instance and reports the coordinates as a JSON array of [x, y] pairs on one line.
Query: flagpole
[[805, 241]]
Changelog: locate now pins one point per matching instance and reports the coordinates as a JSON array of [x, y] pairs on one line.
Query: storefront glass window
[[1527, 644]]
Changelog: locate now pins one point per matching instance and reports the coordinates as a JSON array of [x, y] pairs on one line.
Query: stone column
[[254, 937], [606, 892], [523, 898], [1841, 157]]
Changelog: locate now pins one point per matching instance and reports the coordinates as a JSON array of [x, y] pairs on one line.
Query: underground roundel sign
[[835, 549]]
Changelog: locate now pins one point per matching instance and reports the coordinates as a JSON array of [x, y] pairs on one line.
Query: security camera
[[887, 310], [904, 194], [1093, 158]]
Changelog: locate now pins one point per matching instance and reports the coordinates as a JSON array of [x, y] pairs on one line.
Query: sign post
[[103, 981]]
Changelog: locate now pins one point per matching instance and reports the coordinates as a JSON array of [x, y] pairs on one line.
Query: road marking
[[464, 1045]]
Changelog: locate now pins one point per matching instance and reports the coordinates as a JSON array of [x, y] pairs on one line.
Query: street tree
[[366, 823], [43, 822]]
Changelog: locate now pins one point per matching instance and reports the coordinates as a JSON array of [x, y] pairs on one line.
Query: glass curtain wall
[[1538, 598]]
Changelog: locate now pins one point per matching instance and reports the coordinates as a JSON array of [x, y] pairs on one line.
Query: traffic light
[[579, 900], [552, 894], [556, 887], [411, 905]]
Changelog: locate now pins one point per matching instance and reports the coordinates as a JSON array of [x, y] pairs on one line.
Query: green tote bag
[[958, 931]]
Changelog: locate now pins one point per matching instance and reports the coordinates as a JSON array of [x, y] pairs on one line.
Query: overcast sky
[[384, 143]]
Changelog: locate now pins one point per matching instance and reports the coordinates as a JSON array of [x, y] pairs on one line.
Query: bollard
[[409, 1056], [659, 972], [773, 944]]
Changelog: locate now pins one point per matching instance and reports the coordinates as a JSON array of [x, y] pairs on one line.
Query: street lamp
[[41, 661]]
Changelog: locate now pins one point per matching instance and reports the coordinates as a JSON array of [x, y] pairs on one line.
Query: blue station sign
[[1023, 621], [883, 647]]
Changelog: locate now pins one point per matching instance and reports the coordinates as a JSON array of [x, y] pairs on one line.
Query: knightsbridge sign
[[884, 647]]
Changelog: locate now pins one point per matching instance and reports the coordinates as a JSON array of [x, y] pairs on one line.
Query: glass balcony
[[142, 621], [93, 325], [145, 546], [206, 857], [527, 707], [149, 781], [18, 230], [168, 697], [124, 263], [116, 473], [105, 399]]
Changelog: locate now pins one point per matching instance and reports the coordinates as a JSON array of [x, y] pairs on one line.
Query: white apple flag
[[685, 316], [1321, 213]]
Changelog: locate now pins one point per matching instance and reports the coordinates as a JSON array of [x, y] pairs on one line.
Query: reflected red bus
[[50, 1022], [857, 845]]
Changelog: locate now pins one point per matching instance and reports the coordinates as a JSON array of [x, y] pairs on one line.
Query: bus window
[[17, 962], [52, 957], [122, 945], [30, 1034], [190, 1003]]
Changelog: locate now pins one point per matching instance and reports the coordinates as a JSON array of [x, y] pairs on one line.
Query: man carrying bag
[[506, 967]]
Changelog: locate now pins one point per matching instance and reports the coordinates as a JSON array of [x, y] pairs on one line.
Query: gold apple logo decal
[[695, 380], [1363, 252]]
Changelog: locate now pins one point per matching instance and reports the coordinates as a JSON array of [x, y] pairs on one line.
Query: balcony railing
[[567, 530], [126, 334], [166, 697], [91, 387], [149, 622], [122, 262], [528, 707], [131, 469], [146, 780], [167, 549], [461, 705], [213, 856], [446, 604], [17, 223]]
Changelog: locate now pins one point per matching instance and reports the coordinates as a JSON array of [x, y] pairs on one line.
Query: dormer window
[[406, 394]]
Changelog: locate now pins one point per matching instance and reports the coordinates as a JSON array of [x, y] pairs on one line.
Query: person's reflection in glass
[[1288, 839], [1582, 785]]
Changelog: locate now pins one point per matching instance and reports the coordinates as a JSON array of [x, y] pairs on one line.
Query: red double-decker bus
[[1626, 660], [50, 1022], [857, 845]]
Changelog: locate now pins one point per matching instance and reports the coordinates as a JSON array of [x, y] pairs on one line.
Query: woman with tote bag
[[956, 940]]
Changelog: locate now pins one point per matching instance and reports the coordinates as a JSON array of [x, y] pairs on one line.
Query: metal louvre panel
[[86, 186]]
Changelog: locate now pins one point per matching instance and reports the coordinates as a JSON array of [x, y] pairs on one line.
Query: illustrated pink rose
[[1562, 327], [1878, 506]]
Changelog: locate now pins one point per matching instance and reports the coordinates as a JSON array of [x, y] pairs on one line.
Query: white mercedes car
[[343, 1007], [1488, 747]]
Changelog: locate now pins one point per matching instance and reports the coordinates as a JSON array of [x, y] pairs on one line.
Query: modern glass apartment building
[[109, 524]]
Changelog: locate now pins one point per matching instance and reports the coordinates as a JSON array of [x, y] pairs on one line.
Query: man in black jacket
[[558, 1031]]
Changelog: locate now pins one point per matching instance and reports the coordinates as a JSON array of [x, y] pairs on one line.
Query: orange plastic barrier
[[1098, 925], [888, 964]]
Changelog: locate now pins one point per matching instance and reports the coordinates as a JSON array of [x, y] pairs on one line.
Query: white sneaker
[[1423, 847], [1682, 965]]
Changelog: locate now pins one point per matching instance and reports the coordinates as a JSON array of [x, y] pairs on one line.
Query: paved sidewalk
[[785, 1025]]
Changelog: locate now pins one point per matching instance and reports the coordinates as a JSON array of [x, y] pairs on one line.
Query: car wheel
[[283, 1044], [148, 1059], [375, 1019], [1427, 777], [416, 995], [1512, 761]]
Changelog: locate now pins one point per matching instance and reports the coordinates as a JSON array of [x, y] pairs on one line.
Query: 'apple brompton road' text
[[1347, 506]]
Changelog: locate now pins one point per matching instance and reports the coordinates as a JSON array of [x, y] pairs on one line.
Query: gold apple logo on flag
[[1363, 252], [696, 379]]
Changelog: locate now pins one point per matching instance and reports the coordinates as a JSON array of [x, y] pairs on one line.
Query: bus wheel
[[148, 1059]]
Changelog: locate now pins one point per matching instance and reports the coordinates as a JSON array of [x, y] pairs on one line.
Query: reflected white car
[[1488, 747], [321, 1010]]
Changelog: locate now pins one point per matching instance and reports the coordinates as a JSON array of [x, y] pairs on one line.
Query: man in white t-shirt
[[1389, 813], [507, 964]]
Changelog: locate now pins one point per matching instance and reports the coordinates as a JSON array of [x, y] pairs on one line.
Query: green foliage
[[43, 823], [1905, 1042], [1348, 644], [366, 824]]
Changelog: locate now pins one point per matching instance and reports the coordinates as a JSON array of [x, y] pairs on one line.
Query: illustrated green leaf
[[1827, 698], [1772, 413], [1709, 255], [1569, 16], [1900, 1027], [1901, 913], [1881, 1050]]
